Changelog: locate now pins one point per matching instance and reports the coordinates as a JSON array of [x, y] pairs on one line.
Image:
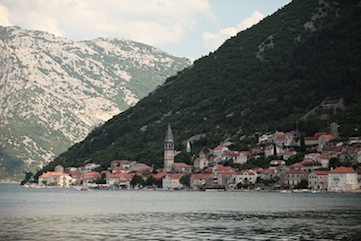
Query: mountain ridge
[[54, 91]]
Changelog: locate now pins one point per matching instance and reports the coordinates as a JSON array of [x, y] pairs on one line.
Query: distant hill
[[54, 91], [265, 78]]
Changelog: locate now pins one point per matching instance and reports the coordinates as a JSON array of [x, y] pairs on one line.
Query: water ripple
[[334, 225]]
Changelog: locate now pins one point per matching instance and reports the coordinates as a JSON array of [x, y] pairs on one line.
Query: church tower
[[334, 129], [168, 150]]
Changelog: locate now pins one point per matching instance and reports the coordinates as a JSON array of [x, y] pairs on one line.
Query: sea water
[[68, 214]]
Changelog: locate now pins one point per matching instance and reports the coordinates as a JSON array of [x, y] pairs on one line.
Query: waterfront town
[[221, 168]]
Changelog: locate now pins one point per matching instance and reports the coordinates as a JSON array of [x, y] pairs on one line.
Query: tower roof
[[169, 135]]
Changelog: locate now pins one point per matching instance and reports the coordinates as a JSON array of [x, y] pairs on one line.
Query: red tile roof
[[329, 136], [296, 171], [310, 163], [318, 134], [325, 157], [159, 175], [343, 170], [355, 150], [142, 165], [201, 175], [174, 176], [317, 172], [181, 164], [49, 174], [127, 175]]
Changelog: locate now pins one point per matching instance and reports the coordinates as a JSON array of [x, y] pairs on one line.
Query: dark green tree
[[137, 181], [184, 157], [29, 178], [302, 185], [334, 162], [151, 181], [185, 180]]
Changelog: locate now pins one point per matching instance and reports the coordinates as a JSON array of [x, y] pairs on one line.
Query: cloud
[[4, 17], [155, 22], [213, 41]]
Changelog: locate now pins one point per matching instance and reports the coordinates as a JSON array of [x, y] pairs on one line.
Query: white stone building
[[342, 179], [172, 181], [317, 180]]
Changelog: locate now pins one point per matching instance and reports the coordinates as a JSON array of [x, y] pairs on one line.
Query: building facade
[[317, 180], [342, 179]]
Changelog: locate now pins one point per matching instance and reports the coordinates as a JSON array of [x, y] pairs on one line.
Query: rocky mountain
[[54, 91], [264, 79]]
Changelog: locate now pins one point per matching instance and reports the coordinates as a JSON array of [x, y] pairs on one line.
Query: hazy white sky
[[185, 28]]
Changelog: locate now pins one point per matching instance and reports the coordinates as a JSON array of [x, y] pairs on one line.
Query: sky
[[184, 28]]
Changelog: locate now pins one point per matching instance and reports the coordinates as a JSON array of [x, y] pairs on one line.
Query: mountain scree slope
[[54, 91]]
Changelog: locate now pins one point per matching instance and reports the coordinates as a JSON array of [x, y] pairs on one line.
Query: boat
[[81, 188]]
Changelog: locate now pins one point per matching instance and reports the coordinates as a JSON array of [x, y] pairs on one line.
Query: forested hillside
[[266, 78]]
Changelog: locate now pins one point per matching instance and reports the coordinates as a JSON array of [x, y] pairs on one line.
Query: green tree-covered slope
[[265, 78]]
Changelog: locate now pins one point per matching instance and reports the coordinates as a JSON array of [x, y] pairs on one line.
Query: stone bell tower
[[168, 150]]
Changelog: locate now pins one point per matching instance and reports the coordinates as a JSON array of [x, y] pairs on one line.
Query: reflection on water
[[131, 215]]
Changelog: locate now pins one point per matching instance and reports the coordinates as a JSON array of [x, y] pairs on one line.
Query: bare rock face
[[54, 91]]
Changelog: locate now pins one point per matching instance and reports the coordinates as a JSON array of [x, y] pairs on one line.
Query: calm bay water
[[67, 214]]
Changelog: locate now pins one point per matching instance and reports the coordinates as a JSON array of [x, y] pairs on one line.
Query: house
[[113, 179], [120, 179], [355, 154], [219, 150], [311, 141], [323, 140], [181, 167], [263, 139], [269, 173], [125, 179], [310, 165], [311, 156], [277, 162], [91, 166], [59, 179], [120, 163], [342, 179], [200, 163], [324, 160], [172, 181], [257, 152], [219, 168], [244, 177], [91, 176], [230, 156], [201, 179], [333, 151], [282, 139], [296, 166], [222, 178], [119, 169], [272, 150], [288, 154], [294, 176], [139, 167], [76, 175], [326, 108], [317, 180], [244, 156]]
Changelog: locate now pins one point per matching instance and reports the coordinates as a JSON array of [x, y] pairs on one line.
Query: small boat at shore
[[81, 188]]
